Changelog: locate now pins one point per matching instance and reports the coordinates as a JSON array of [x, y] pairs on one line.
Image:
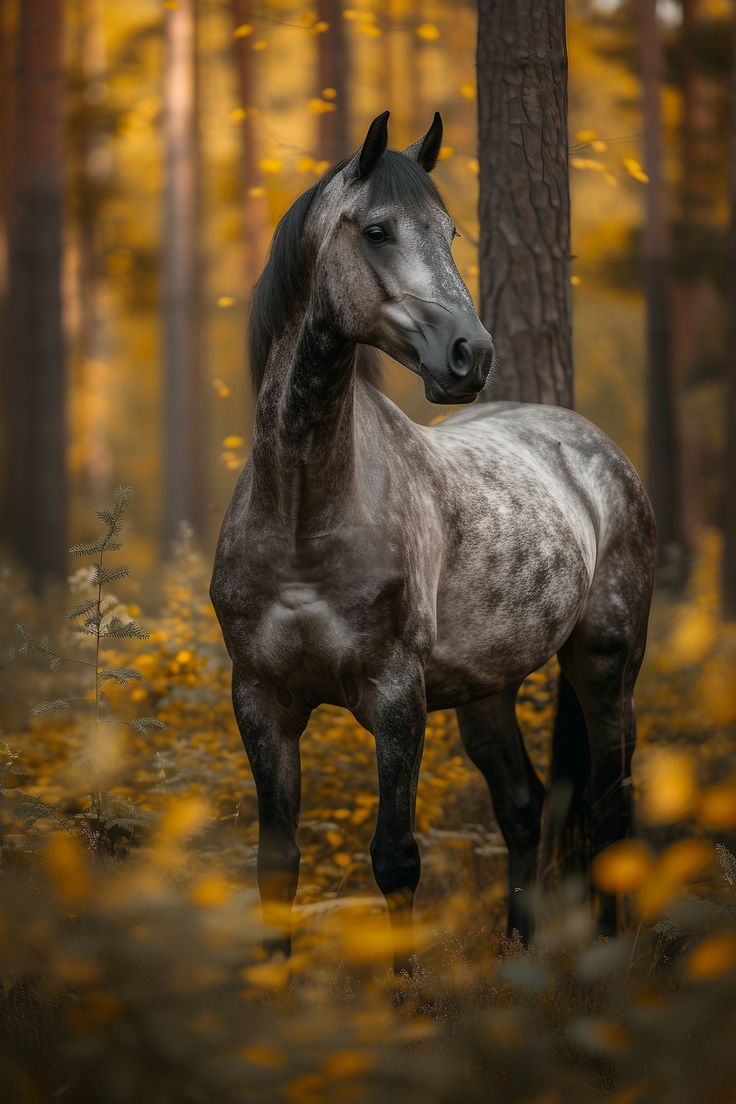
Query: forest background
[[148, 150]]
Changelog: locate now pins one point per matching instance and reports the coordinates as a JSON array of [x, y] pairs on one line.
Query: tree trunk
[[524, 208], [34, 378], [185, 457], [662, 439], [332, 65], [255, 211], [729, 496]]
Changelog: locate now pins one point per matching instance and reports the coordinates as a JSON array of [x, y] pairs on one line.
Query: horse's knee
[[396, 864]]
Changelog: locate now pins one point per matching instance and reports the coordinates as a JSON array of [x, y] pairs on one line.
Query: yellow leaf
[[370, 29], [320, 27], [622, 867], [256, 191], [445, 153], [428, 31], [320, 167], [305, 164], [210, 891], [599, 146], [225, 301], [575, 281], [585, 135], [243, 30], [474, 165], [183, 657], [261, 44], [674, 870], [329, 93], [171, 4], [270, 165], [669, 786], [717, 808], [320, 107], [184, 817], [238, 114], [634, 169], [587, 163], [232, 442], [468, 90], [712, 958]]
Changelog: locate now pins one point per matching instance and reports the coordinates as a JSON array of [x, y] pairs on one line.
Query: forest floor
[[132, 951]]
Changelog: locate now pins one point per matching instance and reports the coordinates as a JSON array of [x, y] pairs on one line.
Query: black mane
[[284, 283]]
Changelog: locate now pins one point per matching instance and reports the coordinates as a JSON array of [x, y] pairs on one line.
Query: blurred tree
[[34, 374], [184, 445], [729, 496], [7, 87], [332, 66], [662, 438], [524, 206], [89, 171], [255, 211]]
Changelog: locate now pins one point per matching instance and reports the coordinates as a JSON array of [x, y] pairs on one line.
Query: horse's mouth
[[436, 393]]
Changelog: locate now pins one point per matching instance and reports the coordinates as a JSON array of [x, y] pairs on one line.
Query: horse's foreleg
[[493, 741], [397, 714], [271, 740]]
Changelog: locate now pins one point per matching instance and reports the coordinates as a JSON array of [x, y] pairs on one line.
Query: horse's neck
[[304, 441]]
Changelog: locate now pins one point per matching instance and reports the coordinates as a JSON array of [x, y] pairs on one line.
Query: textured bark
[[332, 64], [255, 212], [729, 495], [662, 438], [34, 376], [184, 460], [524, 207]]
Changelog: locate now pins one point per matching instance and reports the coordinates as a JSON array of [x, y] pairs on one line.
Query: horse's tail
[[566, 843]]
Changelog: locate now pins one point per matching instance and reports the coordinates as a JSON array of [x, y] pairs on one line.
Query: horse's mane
[[284, 283]]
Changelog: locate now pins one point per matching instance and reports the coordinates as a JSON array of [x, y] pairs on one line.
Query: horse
[[392, 569]]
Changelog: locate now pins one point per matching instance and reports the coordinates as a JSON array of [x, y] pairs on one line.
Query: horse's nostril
[[461, 357]]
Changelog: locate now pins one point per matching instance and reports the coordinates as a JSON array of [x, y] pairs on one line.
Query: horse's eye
[[376, 235]]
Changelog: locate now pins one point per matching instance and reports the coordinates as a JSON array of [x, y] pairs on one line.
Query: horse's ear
[[427, 148], [374, 145]]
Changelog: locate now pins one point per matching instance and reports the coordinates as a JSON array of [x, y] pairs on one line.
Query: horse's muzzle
[[455, 366]]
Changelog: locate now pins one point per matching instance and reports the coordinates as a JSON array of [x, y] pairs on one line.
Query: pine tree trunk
[[331, 67], [255, 212], [524, 207], [729, 495], [662, 438], [185, 457], [34, 376]]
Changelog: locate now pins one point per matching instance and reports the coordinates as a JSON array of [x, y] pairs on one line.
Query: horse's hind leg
[[492, 739], [601, 660], [271, 739]]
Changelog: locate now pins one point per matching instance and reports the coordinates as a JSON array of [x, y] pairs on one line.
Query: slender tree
[[729, 496], [524, 205], [255, 214], [34, 370], [662, 439], [184, 455], [332, 64]]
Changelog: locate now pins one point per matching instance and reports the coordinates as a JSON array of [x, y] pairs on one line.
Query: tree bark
[[331, 67], [729, 496], [185, 457], [34, 377], [524, 208], [662, 437]]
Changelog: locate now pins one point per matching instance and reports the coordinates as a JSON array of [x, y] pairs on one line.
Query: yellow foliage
[[270, 165], [243, 30], [210, 891], [445, 153], [69, 871], [717, 808], [634, 169], [693, 635], [428, 31], [232, 442], [184, 817], [264, 1054], [329, 93], [623, 867], [225, 301], [320, 107], [712, 958], [468, 90], [669, 786], [585, 136], [672, 873], [587, 163]]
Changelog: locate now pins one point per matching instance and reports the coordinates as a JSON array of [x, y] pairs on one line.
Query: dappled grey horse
[[391, 568]]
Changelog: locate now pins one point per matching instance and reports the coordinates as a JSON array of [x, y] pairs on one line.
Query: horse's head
[[384, 265]]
